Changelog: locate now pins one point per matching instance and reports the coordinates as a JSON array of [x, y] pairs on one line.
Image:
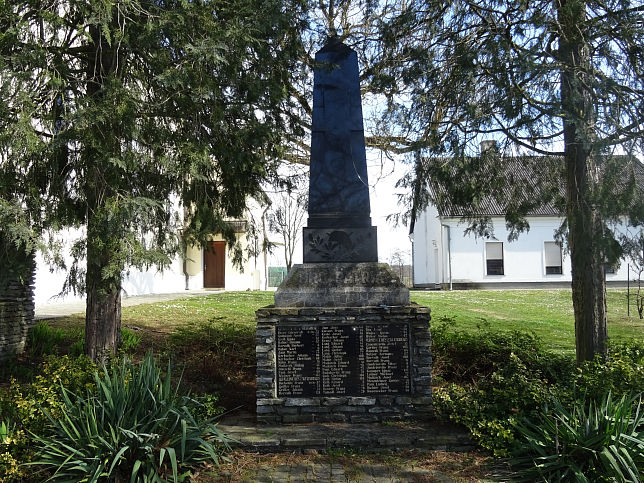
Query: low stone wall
[[16, 315], [415, 404]]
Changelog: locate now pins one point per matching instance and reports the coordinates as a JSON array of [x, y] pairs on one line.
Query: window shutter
[[553, 258], [494, 250]]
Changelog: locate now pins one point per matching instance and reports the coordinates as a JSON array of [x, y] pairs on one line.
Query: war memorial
[[342, 343]]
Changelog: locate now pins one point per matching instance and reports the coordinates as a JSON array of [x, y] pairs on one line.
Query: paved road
[[53, 309]]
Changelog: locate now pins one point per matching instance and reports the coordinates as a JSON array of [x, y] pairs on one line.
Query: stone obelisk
[[340, 244], [339, 225], [342, 342]]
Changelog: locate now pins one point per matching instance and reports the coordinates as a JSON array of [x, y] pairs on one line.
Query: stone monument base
[[341, 285], [343, 364]]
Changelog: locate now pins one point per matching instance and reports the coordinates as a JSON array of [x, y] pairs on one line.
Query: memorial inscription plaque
[[343, 360], [299, 372]]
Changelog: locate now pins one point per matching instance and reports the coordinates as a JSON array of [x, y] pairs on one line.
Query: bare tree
[[398, 260], [288, 210]]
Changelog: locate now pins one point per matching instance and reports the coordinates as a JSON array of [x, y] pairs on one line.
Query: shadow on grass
[[218, 355]]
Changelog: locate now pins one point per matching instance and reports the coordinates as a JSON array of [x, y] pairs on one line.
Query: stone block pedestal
[[341, 285], [343, 364]]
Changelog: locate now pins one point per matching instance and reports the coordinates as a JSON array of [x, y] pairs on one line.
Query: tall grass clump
[[44, 340], [133, 426], [594, 441]]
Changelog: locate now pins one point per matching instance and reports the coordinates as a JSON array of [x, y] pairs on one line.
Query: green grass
[[548, 313], [237, 307]]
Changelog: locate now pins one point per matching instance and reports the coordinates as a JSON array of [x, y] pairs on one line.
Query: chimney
[[488, 144]]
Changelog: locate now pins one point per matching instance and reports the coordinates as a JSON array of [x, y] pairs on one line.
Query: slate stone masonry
[[16, 315], [412, 404]]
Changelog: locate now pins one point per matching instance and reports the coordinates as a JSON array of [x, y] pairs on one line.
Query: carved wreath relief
[[336, 245]]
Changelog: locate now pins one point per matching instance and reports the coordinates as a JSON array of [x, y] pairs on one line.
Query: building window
[[553, 258], [494, 258]]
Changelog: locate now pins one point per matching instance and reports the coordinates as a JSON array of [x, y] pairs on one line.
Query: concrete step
[[371, 437]]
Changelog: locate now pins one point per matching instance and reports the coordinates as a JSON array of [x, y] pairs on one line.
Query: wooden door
[[214, 265]]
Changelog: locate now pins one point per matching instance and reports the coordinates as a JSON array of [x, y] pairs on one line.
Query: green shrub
[[622, 372], [25, 402], [598, 441], [491, 378], [132, 426], [463, 357], [14, 450], [207, 407], [490, 407]]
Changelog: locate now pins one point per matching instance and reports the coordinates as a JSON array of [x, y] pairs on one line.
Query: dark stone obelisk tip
[[339, 225], [334, 44]]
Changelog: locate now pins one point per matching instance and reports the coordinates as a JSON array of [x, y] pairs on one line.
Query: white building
[[199, 269], [445, 257]]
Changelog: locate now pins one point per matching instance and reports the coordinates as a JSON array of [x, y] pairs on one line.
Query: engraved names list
[[343, 360]]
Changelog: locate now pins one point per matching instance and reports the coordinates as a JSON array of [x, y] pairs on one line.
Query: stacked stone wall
[[416, 405], [16, 314]]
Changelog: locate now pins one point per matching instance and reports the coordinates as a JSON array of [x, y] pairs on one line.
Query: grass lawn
[[548, 313]]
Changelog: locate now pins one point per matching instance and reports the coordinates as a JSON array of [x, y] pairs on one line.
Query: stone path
[[334, 472], [52, 310]]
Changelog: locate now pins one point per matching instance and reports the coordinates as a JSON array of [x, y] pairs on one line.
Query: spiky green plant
[[594, 441], [5, 432], [133, 426]]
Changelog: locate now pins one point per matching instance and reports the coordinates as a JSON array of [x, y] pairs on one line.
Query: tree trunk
[[103, 285], [102, 323], [104, 265], [288, 255], [588, 284], [585, 227]]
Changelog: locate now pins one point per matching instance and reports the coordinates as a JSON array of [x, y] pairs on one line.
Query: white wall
[[427, 249], [49, 282], [524, 259]]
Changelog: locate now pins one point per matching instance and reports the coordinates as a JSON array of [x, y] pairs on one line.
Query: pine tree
[[562, 78], [119, 113]]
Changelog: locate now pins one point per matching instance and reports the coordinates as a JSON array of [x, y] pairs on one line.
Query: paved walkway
[[335, 472], [52, 310]]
